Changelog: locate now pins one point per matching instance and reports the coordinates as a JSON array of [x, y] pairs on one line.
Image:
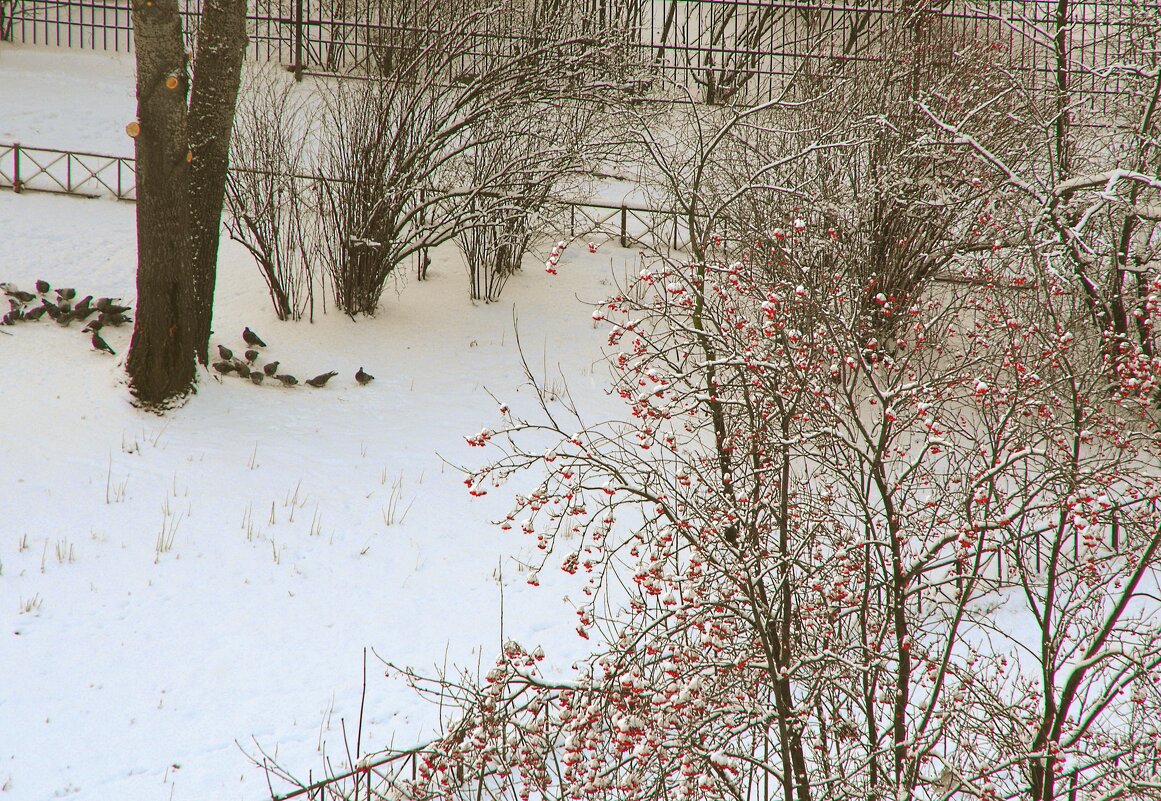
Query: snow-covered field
[[174, 589]]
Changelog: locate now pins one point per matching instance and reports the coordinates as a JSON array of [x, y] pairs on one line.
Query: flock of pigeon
[[29, 307], [64, 309], [245, 367]]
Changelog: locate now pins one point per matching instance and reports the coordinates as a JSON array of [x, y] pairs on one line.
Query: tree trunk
[[217, 76], [182, 158], [161, 363]]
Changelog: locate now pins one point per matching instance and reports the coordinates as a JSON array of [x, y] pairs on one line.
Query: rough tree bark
[[181, 152], [218, 75]]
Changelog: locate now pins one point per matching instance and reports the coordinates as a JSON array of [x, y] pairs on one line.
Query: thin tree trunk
[[160, 363], [217, 77]]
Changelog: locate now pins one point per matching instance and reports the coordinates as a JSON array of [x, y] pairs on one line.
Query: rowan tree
[[819, 565]]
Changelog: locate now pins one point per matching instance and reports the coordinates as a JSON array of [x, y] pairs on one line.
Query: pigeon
[[271, 369], [225, 352], [224, 367], [364, 378], [241, 369], [257, 376], [42, 286], [68, 293], [52, 309], [321, 380], [114, 318], [287, 380], [100, 344], [94, 326], [251, 356], [110, 306], [35, 314], [21, 295], [252, 339], [83, 308]]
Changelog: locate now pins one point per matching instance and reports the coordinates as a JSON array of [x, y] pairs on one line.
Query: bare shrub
[[392, 148], [268, 193], [522, 163], [848, 151], [1082, 185]]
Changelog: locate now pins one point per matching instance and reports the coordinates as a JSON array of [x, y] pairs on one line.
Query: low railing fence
[[39, 169], [71, 172]]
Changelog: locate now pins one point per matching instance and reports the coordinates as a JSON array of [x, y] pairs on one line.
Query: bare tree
[[181, 154]]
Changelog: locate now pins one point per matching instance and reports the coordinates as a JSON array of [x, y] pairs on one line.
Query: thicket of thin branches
[[525, 163], [395, 149], [857, 533], [268, 193]]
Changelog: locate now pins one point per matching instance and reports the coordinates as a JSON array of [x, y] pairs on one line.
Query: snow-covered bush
[[523, 161]]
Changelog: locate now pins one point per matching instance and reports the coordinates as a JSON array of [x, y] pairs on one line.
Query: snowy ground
[[173, 586]]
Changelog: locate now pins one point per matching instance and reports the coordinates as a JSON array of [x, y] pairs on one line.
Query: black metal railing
[[722, 50], [39, 169]]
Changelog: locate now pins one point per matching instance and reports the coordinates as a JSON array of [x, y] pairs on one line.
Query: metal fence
[[39, 169], [722, 50]]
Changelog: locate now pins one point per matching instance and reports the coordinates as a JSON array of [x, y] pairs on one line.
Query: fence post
[[16, 184], [624, 226], [298, 40]]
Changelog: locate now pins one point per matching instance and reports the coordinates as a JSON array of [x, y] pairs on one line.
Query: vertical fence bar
[[16, 184], [624, 226], [298, 40]]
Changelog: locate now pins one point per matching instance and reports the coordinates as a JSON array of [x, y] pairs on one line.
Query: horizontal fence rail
[[720, 50]]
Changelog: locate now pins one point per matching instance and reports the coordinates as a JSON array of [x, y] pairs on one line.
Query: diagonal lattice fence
[[40, 169]]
